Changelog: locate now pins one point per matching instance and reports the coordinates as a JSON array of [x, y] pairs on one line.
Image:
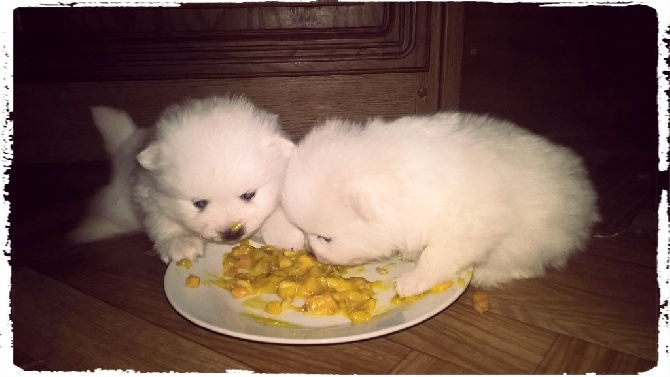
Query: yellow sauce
[[271, 322]]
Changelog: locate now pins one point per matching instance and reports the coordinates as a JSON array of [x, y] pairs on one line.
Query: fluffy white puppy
[[450, 191], [209, 171]]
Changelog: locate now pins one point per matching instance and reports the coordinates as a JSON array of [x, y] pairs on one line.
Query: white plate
[[215, 309]]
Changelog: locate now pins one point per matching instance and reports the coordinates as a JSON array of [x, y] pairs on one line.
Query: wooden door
[[303, 61]]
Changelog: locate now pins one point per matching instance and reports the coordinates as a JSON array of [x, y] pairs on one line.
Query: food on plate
[[193, 281], [186, 263], [300, 281], [297, 281]]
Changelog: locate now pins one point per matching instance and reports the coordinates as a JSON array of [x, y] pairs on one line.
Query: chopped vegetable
[[294, 275], [192, 281]]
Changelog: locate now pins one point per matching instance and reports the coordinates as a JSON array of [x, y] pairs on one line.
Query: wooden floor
[[102, 305]]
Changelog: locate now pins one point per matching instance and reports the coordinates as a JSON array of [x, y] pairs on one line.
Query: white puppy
[[450, 191], [209, 171]]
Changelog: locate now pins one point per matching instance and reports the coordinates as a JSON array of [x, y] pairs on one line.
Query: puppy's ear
[[282, 146], [370, 197], [150, 157]]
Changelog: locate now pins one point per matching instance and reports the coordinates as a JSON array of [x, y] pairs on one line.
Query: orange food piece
[[480, 301], [239, 292]]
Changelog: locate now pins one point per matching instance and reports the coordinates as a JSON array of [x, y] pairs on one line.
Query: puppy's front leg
[[180, 247], [172, 241], [439, 262]]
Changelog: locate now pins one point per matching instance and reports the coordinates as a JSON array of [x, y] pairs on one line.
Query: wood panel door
[[304, 61]]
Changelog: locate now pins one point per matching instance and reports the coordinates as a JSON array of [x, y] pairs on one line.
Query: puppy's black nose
[[233, 233]]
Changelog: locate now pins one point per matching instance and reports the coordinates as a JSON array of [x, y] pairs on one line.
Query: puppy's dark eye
[[324, 239], [248, 196], [200, 204]]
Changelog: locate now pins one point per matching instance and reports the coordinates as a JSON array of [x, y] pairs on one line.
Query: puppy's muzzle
[[233, 233]]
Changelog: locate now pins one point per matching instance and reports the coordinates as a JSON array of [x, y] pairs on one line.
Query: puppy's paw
[[413, 283], [178, 248], [418, 281]]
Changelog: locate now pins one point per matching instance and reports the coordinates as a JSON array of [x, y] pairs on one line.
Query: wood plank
[[614, 278], [26, 362], [585, 315], [574, 356], [83, 333], [79, 261], [420, 363], [635, 246], [463, 337]]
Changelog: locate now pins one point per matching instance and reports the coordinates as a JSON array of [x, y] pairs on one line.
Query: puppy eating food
[[209, 171], [452, 190]]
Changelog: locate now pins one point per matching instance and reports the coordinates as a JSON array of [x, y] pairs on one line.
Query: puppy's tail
[[114, 125], [96, 228], [110, 212]]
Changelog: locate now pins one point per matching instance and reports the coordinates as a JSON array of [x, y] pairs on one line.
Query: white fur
[[214, 149], [450, 191]]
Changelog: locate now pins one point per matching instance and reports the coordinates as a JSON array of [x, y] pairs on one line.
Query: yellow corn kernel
[[285, 263], [305, 260], [239, 292], [287, 289], [273, 307], [192, 281], [322, 304], [359, 316]]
